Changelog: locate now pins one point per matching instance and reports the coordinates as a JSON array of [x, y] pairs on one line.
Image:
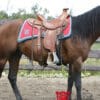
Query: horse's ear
[[40, 17], [65, 9]]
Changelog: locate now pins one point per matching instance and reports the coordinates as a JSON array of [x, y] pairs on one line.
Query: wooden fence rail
[[93, 54]]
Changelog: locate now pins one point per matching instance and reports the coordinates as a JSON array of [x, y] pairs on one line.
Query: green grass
[[51, 73], [92, 61], [43, 73], [96, 46], [54, 74]]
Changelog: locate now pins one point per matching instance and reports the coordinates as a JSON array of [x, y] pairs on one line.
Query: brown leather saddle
[[48, 27], [49, 40]]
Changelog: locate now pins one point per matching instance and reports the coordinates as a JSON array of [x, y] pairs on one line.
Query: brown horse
[[74, 50], [11, 50]]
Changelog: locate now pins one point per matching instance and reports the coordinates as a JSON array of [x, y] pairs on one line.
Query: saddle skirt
[[66, 33], [27, 31]]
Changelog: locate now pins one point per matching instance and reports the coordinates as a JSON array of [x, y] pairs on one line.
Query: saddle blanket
[[27, 32], [67, 31]]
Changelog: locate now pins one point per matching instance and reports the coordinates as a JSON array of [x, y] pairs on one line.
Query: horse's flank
[[8, 37]]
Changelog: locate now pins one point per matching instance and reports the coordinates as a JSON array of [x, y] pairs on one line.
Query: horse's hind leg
[[75, 76], [2, 64], [13, 69]]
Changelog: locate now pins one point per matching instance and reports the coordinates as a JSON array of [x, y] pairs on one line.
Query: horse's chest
[[67, 56], [71, 54]]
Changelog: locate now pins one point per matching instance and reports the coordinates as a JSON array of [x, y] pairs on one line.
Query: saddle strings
[[32, 58], [41, 44], [32, 44], [40, 55]]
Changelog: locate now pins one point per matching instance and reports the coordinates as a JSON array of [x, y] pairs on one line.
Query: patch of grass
[[43, 73], [92, 61], [51, 74], [96, 46], [95, 73]]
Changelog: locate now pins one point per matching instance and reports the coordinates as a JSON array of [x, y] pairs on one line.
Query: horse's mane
[[87, 24]]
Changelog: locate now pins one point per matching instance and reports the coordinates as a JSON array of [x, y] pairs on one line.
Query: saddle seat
[[34, 22]]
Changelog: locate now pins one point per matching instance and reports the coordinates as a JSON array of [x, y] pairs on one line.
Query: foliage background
[[36, 9]]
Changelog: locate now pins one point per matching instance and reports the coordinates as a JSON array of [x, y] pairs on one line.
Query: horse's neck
[[93, 39], [88, 31]]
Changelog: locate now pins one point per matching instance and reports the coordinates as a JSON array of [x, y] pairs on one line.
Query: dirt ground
[[44, 88]]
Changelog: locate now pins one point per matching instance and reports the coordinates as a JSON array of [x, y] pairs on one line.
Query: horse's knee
[[78, 86], [12, 79], [77, 64], [77, 78]]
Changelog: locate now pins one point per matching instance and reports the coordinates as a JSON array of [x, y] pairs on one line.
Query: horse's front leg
[[77, 76], [70, 80], [78, 84], [13, 69]]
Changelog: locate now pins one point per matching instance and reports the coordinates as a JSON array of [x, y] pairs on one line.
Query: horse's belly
[[6, 50]]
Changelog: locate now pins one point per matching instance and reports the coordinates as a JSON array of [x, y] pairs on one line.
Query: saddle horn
[[58, 22]]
